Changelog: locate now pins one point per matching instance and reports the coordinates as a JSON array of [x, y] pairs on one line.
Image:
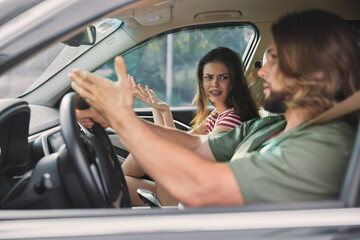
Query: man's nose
[[263, 71]]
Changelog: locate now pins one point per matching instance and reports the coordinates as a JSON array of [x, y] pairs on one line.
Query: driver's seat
[[14, 147], [350, 196]]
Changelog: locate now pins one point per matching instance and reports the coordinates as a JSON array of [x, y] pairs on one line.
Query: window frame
[[250, 48]]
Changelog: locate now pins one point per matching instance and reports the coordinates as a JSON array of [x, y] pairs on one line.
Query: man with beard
[[275, 159]]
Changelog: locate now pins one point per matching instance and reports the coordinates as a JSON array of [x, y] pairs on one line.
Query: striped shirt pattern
[[228, 118]]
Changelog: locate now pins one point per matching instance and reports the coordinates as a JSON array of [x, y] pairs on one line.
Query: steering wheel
[[92, 157]]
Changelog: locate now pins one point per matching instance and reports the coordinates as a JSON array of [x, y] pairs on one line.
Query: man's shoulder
[[270, 119], [336, 129], [259, 123]]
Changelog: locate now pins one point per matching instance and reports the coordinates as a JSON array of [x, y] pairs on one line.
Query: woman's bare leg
[[133, 173], [136, 183], [130, 167], [165, 198]]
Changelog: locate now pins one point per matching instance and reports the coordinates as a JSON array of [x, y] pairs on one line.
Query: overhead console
[[155, 14]]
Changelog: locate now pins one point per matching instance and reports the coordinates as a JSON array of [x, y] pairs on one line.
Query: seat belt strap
[[348, 105]]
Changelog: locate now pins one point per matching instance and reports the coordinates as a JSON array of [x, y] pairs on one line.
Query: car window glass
[[167, 63], [355, 27], [41, 67]]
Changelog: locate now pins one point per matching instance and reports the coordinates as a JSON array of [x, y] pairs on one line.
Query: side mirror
[[86, 37]]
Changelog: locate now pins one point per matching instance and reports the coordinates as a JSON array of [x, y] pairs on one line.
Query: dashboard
[[50, 141], [47, 142]]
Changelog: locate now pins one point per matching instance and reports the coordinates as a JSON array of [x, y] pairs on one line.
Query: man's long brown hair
[[319, 53]]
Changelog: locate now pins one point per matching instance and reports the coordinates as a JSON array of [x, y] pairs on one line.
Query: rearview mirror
[[86, 37]]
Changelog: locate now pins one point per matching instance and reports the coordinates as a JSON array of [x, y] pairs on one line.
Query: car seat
[[351, 186], [14, 147]]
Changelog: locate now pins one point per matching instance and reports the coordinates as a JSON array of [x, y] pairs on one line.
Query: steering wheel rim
[[94, 159]]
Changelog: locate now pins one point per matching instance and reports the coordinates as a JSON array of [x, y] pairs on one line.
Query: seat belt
[[348, 105]]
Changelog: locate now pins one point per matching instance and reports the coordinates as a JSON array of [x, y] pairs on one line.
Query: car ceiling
[[136, 14], [204, 11]]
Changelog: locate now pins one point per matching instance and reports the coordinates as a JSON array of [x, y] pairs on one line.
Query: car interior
[[49, 161]]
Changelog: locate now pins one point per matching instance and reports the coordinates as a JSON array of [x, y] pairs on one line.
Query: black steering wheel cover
[[114, 180], [71, 136]]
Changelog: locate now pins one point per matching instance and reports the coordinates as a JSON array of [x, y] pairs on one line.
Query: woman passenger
[[221, 81]]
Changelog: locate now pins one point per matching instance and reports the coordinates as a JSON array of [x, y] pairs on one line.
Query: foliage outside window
[[168, 63]]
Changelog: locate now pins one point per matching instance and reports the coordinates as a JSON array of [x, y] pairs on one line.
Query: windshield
[[38, 69]]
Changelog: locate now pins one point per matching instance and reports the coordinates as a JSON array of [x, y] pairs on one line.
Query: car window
[[167, 63], [355, 27], [41, 67]]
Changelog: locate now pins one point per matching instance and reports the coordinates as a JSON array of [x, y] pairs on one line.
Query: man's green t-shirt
[[302, 164]]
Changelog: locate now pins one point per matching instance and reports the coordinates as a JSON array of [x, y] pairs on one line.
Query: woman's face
[[216, 82]]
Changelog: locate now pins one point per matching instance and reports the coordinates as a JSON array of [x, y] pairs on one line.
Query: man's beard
[[275, 102]]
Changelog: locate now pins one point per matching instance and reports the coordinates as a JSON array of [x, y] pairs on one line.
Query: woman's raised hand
[[139, 92], [147, 95]]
